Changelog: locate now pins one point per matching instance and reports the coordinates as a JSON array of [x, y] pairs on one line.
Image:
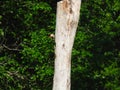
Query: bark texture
[[68, 12]]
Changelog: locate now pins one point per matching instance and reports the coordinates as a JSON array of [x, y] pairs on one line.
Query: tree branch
[[11, 49]]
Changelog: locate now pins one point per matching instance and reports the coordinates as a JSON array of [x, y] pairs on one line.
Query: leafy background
[[27, 50]]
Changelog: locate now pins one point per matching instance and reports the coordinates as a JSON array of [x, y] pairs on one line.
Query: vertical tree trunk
[[66, 25]]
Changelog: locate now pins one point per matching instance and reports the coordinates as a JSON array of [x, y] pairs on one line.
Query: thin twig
[[11, 49]]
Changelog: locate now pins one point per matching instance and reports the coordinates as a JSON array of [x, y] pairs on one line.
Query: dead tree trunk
[[68, 12]]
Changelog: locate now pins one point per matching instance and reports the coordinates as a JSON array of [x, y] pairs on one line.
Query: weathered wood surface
[[68, 12]]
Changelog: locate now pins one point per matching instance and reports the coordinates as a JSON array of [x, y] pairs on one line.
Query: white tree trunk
[[68, 12]]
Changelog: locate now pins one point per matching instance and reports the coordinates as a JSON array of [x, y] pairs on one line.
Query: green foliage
[[37, 58], [96, 50], [27, 50]]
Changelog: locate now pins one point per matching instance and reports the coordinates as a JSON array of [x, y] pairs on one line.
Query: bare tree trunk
[[66, 25]]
